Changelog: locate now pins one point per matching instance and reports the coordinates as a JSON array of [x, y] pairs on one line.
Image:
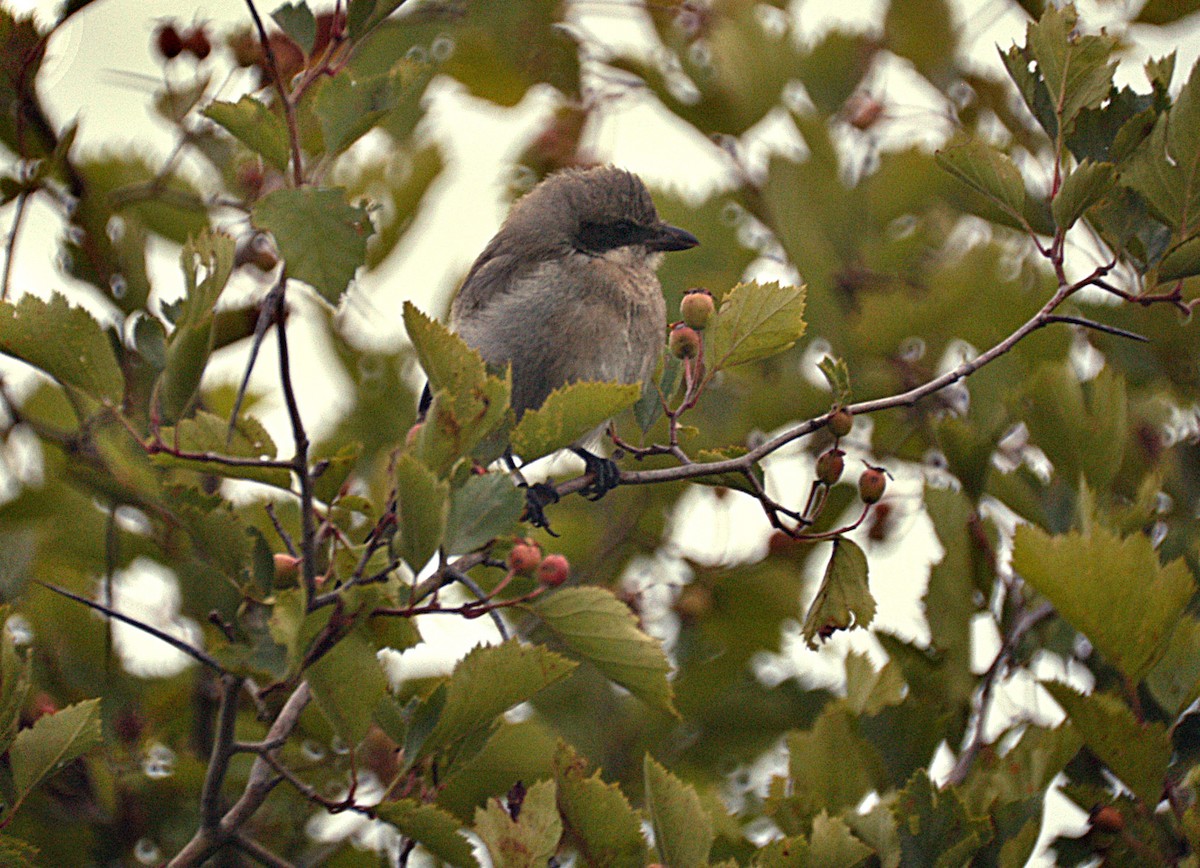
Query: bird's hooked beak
[[667, 237]]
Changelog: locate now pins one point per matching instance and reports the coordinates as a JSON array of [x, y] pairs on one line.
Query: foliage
[[1007, 321]]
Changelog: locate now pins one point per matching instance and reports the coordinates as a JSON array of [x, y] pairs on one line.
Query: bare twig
[[222, 750], [260, 854], [10, 247], [280, 530], [178, 644], [289, 110], [262, 780]]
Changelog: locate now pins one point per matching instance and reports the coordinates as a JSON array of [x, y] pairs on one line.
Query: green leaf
[[321, 237], [837, 374], [348, 685], [569, 413], [844, 601], [1165, 169], [683, 833], [445, 357], [754, 321], [15, 853], [53, 741], [531, 840], [1074, 66], [489, 681], [1175, 679], [514, 752], [15, 667], [987, 170], [348, 107], [818, 784], [935, 828], [791, 852], [298, 22], [607, 830], [1112, 590], [80, 353], [253, 124], [1137, 753], [833, 845], [431, 827], [422, 509], [1167, 11], [207, 433], [595, 626], [1084, 187], [484, 508], [207, 263], [1182, 260]]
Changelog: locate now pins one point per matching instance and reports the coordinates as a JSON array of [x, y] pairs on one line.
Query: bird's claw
[[537, 497], [605, 474]]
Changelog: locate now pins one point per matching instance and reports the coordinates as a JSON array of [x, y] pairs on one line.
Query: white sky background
[[101, 69]]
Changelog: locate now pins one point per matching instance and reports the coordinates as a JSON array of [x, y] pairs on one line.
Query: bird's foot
[[605, 474], [537, 497]]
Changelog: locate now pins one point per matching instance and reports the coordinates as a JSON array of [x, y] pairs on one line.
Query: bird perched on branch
[[566, 291]]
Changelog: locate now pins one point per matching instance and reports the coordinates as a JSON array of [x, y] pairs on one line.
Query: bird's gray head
[[590, 211]]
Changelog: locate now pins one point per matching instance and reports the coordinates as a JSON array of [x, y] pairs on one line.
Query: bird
[[567, 291]]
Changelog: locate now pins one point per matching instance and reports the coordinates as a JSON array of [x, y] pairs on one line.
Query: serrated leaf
[[348, 107], [1137, 753], [988, 171], [422, 509], [837, 375], [683, 833], [754, 321], [844, 601], [569, 413], [489, 681], [1084, 187], [935, 828], [253, 124], [607, 830], [348, 684], [15, 853], [431, 827], [1074, 66], [1166, 11], [483, 508], [207, 263], [53, 741], [529, 841], [445, 357], [595, 626], [1175, 679], [790, 852], [205, 433], [833, 845], [79, 354], [1112, 590], [322, 238], [1165, 169], [298, 22], [816, 783]]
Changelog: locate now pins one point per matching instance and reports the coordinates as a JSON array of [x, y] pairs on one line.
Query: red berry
[[197, 43], [410, 439], [525, 557], [287, 567], [872, 484], [168, 41], [553, 571], [830, 465], [841, 422], [696, 308], [684, 342], [1107, 818]]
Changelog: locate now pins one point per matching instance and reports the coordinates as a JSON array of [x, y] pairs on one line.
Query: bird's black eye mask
[[602, 237]]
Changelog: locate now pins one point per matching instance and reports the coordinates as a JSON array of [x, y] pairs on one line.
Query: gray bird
[[567, 291]]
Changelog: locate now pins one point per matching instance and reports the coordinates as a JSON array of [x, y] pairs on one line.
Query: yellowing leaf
[[569, 413], [596, 626], [844, 600], [488, 682], [53, 741], [1112, 590], [607, 828], [683, 833], [529, 841], [754, 321]]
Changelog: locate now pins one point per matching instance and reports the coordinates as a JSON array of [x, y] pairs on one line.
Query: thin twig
[[1098, 326], [280, 530], [222, 750], [10, 247], [260, 854], [483, 597], [178, 644], [289, 111]]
